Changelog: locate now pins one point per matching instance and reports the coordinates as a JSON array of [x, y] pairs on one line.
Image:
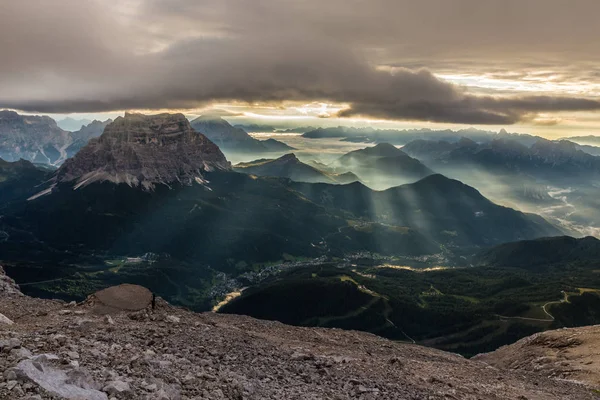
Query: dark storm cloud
[[82, 56], [473, 109]]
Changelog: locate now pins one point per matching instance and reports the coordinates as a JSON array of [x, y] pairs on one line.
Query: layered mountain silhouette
[[382, 165], [289, 166], [83, 135], [276, 145], [553, 161], [234, 139], [590, 140], [440, 208], [73, 124]]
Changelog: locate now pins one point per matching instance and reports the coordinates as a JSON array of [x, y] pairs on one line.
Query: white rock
[[9, 344], [56, 381], [173, 319], [4, 320], [10, 375], [20, 353], [117, 387]]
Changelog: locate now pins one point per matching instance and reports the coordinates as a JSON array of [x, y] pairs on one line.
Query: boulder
[[124, 297], [5, 320], [57, 382], [117, 388]]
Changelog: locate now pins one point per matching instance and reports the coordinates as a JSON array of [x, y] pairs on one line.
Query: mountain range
[[549, 160], [34, 138], [589, 140], [403, 137], [152, 184], [382, 166], [81, 137], [40, 140], [73, 124], [153, 202], [289, 166], [233, 139], [443, 209], [273, 129]]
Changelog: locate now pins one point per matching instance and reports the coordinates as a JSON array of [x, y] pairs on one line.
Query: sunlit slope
[[443, 209]]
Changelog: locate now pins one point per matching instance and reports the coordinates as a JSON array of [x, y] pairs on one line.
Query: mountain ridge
[[289, 166], [234, 139]]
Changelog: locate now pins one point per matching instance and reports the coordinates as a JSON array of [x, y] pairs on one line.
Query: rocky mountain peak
[[31, 137], [288, 158], [144, 150], [384, 150]]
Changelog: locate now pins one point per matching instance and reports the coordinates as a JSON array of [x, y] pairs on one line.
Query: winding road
[[565, 299]]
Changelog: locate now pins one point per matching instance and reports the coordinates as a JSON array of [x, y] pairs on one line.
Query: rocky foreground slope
[[114, 346], [572, 354]]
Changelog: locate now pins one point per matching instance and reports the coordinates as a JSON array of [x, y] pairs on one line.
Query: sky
[[524, 65]]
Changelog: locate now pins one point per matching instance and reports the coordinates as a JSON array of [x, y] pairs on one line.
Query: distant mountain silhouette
[[82, 136], [289, 166], [72, 124], [555, 161], [234, 139], [383, 162], [276, 145]]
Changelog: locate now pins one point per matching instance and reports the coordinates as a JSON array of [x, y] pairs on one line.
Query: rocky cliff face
[[144, 151], [115, 346], [33, 138]]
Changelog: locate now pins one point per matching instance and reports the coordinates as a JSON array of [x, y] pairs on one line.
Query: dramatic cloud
[[375, 56]]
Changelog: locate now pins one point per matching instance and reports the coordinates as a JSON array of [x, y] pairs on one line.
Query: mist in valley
[[573, 207]]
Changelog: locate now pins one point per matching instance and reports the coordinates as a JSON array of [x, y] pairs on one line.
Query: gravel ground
[[170, 353]]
